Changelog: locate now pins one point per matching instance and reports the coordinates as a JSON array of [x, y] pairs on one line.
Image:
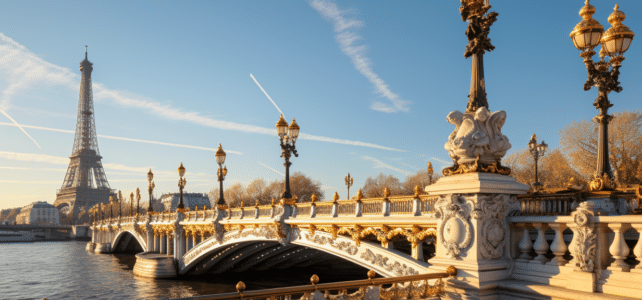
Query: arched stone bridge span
[[389, 235]]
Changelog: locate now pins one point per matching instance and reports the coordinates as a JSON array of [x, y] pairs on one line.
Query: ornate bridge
[[391, 235]]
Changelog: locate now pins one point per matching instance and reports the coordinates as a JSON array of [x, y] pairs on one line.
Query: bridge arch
[[298, 245], [121, 238]]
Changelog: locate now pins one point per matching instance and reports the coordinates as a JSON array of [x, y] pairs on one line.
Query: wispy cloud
[[57, 160], [124, 139], [35, 157], [26, 69], [346, 37], [409, 165], [30, 182], [266, 94], [381, 165], [262, 164], [34, 169]]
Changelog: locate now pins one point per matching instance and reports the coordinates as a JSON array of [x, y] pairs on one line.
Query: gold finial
[[241, 204], [314, 279], [313, 198], [359, 195], [451, 270], [417, 191], [386, 192], [138, 193], [273, 202], [371, 274], [257, 203], [240, 287], [335, 197], [282, 121]]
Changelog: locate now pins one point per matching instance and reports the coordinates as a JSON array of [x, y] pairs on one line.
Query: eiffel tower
[[85, 183]]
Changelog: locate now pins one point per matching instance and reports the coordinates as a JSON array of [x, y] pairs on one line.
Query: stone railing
[[417, 205], [402, 287], [583, 252]]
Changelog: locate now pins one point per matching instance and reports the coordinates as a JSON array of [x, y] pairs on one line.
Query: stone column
[[163, 243], [170, 244], [189, 241], [194, 239]]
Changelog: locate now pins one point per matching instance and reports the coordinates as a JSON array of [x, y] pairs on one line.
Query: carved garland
[[384, 234]]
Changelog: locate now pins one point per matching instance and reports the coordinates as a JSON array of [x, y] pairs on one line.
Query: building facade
[[190, 200], [40, 213]]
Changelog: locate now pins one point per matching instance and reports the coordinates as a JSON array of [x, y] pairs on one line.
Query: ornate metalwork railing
[[402, 287]]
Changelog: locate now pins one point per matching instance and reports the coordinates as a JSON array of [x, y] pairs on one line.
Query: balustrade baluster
[[637, 250], [619, 250], [525, 244], [573, 244], [558, 247], [541, 245]]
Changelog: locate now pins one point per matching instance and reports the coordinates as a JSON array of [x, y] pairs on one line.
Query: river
[[64, 270]]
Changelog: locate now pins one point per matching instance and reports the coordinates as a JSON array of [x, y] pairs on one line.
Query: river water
[[64, 270]]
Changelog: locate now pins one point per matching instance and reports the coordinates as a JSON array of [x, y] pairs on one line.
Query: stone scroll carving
[[586, 238], [477, 143], [454, 230]]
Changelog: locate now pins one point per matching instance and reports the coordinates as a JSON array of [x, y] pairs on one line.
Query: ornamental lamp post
[[111, 204], [288, 140], [349, 181], [137, 201], [586, 35], [181, 184], [131, 204], [537, 151], [120, 204], [150, 178], [222, 172]]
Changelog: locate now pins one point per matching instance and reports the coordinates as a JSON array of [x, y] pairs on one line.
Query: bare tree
[[553, 168], [373, 187], [579, 143], [420, 179]]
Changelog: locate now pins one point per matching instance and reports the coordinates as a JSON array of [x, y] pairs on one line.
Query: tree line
[[303, 187]]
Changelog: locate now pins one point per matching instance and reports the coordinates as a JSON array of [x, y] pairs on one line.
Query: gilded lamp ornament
[[221, 173], [288, 137], [604, 75], [181, 185], [477, 143]]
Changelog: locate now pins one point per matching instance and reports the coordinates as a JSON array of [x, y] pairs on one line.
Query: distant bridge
[[47, 232]]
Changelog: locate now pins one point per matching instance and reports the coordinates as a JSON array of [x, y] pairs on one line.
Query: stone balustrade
[[583, 252]]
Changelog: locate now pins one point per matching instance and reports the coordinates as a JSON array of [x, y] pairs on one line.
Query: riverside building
[[41, 213]]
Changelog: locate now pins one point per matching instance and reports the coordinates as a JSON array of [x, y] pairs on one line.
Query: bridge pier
[[472, 233]]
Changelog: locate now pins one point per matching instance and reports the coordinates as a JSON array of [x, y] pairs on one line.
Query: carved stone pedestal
[[472, 233]]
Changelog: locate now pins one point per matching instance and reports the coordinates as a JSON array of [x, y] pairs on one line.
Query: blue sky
[[369, 82]]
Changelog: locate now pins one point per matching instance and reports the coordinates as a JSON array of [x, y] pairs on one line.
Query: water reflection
[[64, 270]]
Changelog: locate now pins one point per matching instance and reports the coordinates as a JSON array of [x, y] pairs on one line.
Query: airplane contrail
[[266, 94], [18, 125], [270, 168]]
